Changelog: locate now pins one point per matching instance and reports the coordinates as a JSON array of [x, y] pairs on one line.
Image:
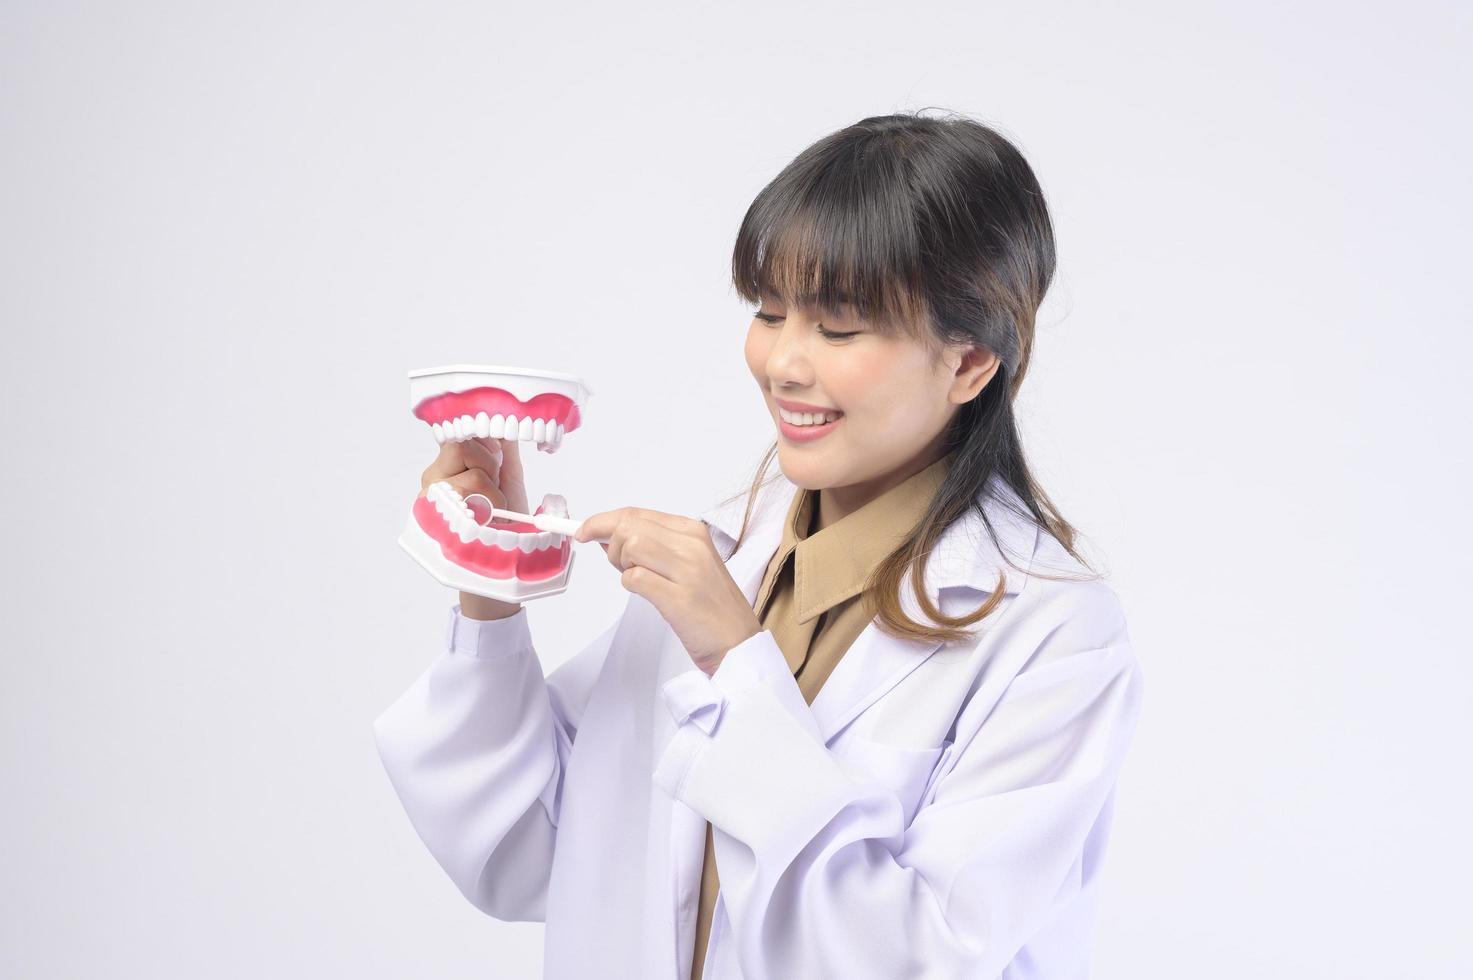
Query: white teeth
[[807, 418], [551, 437], [451, 506], [505, 540], [554, 503], [546, 434]]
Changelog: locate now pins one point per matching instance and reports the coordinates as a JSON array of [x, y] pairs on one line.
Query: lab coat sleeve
[[819, 874], [476, 749]]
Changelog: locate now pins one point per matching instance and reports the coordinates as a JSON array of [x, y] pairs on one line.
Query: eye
[[822, 330]]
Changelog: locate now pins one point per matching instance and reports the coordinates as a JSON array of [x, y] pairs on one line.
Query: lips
[[804, 407], [806, 433]]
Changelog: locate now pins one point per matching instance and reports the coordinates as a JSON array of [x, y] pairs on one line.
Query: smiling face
[[888, 397]]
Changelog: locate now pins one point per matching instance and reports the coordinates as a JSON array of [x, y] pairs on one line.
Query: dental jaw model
[[454, 539]]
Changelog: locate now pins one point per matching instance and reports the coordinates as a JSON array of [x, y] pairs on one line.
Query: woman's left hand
[[671, 561]]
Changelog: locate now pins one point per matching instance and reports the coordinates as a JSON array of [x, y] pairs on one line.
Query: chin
[[807, 474]]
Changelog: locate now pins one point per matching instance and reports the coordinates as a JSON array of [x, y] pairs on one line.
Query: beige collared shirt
[[810, 600]]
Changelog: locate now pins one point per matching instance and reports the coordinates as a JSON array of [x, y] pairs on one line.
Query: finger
[[511, 461], [456, 457], [477, 453], [645, 544], [492, 446], [638, 541], [609, 527], [674, 522], [649, 584], [602, 524], [477, 480], [689, 527], [445, 465]]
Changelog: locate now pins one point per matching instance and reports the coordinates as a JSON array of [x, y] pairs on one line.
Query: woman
[[875, 694]]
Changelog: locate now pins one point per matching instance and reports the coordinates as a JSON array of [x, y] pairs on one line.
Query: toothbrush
[[544, 522]]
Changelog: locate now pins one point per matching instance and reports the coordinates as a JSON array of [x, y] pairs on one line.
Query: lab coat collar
[[964, 561], [964, 556]]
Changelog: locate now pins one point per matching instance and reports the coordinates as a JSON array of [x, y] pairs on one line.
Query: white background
[[227, 231]]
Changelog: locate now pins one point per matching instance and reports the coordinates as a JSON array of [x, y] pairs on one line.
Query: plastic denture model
[[454, 538]]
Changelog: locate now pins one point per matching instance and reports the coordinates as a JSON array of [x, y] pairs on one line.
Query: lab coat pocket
[[905, 771]]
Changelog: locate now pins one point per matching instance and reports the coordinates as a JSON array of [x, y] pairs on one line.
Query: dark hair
[[935, 228]]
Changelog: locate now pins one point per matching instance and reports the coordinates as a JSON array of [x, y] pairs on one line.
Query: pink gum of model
[[451, 537]]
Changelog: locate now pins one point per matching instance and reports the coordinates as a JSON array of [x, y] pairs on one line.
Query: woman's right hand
[[488, 466]]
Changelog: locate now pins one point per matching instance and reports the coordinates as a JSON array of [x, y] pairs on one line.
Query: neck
[[836, 503]]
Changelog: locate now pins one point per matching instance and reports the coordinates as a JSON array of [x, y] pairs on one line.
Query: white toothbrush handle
[[544, 522], [560, 525]]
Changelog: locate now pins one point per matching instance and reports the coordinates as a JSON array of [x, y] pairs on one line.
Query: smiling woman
[[898, 266], [789, 757]]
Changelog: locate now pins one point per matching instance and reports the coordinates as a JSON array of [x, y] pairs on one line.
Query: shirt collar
[[835, 563], [965, 555]]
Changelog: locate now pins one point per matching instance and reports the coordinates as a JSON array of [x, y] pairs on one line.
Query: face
[[887, 399]]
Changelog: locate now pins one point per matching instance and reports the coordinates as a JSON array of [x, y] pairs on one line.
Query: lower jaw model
[[511, 561]]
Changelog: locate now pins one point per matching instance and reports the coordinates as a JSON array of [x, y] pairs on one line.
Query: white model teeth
[[546, 433], [807, 418], [451, 506]]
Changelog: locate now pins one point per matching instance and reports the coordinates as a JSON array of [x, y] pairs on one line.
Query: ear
[[973, 371]]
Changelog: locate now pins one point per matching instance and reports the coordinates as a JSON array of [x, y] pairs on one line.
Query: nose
[[788, 363]]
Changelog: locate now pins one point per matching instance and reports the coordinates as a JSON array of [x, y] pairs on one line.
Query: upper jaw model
[[511, 561]]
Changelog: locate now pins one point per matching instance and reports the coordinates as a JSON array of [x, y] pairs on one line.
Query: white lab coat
[[939, 811]]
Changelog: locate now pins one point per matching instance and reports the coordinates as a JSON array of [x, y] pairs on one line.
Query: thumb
[[511, 462]]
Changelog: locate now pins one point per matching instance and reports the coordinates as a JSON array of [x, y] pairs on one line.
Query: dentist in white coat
[[942, 806]]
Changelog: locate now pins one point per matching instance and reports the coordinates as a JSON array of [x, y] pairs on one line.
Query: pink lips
[[802, 406], [807, 433]]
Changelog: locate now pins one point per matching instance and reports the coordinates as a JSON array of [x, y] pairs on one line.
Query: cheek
[[881, 384], [863, 382]]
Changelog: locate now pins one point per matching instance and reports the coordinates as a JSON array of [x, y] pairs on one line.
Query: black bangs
[[836, 231]]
